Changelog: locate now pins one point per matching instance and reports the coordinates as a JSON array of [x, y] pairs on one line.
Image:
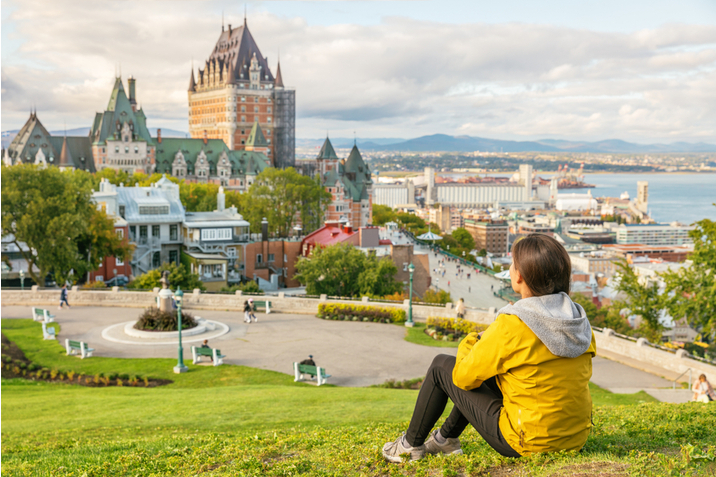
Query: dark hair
[[543, 263]]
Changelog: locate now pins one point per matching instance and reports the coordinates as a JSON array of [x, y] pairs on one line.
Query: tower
[[526, 181], [235, 89], [642, 196]]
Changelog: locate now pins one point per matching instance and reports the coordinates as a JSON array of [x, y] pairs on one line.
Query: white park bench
[[48, 333], [300, 369], [39, 314], [73, 347], [197, 352]]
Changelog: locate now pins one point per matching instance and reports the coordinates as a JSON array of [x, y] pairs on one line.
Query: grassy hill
[[233, 420]]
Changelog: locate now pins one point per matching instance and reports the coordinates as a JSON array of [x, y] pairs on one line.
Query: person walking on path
[[247, 311], [252, 316], [460, 308], [63, 297], [523, 384], [703, 391]]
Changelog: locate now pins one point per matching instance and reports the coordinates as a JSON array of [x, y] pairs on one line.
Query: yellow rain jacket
[[546, 402]]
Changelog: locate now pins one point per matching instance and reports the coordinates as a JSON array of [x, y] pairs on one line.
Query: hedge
[[451, 329], [345, 312]]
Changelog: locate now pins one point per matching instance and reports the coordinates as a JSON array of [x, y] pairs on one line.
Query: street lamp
[[409, 323], [22, 280], [179, 368]]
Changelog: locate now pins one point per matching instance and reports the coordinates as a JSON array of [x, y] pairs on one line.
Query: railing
[[435, 248], [687, 371]]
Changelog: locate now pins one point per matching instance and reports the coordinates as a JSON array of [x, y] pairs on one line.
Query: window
[[155, 231], [243, 120], [271, 257], [118, 262], [143, 232], [269, 109], [103, 150], [173, 232], [243, 109], [153, 209], [256, 109], [243, 99], [256, 99], [126, 149], [132, 233], [120, 233], [259, 258], [116, 149], [216, 234], [156, 259], [122, 211], [173, 256], [136, 149], [269, 119]]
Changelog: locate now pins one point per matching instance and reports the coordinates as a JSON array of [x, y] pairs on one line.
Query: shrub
[[94, 285], [153, 319], [451, 329], [399, 296], [439, 297], [248, 287], [340, 311]]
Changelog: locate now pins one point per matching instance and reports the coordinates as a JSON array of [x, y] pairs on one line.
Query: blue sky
[[639, 71]]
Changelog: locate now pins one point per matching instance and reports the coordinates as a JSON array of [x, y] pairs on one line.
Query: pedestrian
[[63, 297], [523, 384], [460, 308], [309, 362], [251, 311], [247, 312], [492, 287], [469, 289], [468, 276], [448, 283], [205, 344], [703, 392]]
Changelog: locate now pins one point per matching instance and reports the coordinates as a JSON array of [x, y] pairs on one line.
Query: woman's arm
[[480, 359]]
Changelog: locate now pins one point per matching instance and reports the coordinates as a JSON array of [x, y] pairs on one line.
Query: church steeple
[[279, 79], [192, 82]]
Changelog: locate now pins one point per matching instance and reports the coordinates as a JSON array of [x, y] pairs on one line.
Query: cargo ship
[[567, 179]]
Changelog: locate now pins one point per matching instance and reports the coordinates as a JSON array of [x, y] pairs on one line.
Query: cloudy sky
[[642, 70]]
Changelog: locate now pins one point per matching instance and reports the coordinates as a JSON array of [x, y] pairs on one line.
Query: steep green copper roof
[[32, 137], [327, 151], [242, 162], [256, 137], [119, 109], [117, 90]]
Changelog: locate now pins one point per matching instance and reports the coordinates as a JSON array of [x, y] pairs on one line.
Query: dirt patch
[[14, 364], [593, 469]]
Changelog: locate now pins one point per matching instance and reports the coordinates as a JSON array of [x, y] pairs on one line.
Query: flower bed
[[154, 319], [341, 312], [451, 329]]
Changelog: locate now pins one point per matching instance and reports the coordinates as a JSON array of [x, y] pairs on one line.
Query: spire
[[256, 138], [65, 155], [192, 82], [279, 79], [244, 14], [327, 151]]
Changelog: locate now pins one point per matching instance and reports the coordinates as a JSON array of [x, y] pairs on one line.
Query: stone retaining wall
[[640, 350], [197, 300]]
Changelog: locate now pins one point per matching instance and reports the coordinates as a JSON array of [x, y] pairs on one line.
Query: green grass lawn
[[417, 335], [233, 420]]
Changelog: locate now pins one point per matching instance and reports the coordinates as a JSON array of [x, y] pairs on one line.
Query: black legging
[[479, 407]]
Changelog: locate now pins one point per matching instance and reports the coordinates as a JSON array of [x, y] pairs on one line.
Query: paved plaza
[[354, 353]]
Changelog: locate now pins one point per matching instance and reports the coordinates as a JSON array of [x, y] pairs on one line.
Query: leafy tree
[[643, 299], [464, 238], [692, 290], [179, 277], [482, 253], [343, 270], [282, 195], [51, 212], [439, 297], [383, 214], [197, 197]]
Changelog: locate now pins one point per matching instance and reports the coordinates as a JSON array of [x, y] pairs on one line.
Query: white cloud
[[399, 78]]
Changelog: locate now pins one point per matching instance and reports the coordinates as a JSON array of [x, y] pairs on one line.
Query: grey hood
[[558, 322]]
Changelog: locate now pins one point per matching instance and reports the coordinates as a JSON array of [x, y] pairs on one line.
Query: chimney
[[264, 230], [206, 138], [131, 82], [347, 228], [220, 200], [229, 29], [159, 135]]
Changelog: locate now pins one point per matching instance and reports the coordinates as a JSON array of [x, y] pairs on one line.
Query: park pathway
[[354, 353]]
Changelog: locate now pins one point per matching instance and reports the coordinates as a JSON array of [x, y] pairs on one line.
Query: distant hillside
[[443, 142]]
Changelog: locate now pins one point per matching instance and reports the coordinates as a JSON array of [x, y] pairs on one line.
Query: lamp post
[[409, 323], [22, 280], [179, 368]]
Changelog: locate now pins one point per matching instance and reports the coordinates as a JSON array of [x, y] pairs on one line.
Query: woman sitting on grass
[[524, 384]]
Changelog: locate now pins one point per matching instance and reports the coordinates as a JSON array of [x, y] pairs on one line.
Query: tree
[[52, 213], [179, 277], [383, 214], [439, 297], [643, 299], [464, 238], [98, 241], [343, 270], [280, 195], [692, 290]]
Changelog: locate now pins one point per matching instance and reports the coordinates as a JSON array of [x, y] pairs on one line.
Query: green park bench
[[300, 369], [197, 352], [263, 304], [39, 314], [73, 347], [48, 333]]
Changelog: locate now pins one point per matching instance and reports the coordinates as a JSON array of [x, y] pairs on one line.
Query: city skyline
[[386, 69]]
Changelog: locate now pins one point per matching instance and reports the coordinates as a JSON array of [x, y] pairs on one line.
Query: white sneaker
[[393, 451], [451, 445]]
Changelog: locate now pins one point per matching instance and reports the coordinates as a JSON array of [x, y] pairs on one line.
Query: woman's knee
[[442, 362]]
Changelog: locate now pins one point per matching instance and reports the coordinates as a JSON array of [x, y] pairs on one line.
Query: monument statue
[[164, 300]]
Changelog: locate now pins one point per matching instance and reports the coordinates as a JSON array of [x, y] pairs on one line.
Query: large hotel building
[[236, 89]]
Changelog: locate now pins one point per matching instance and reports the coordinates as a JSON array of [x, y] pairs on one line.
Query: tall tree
[[644, 299], [464, 238], [51, 212], [692, 289], [383, 214], [343, 270]]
